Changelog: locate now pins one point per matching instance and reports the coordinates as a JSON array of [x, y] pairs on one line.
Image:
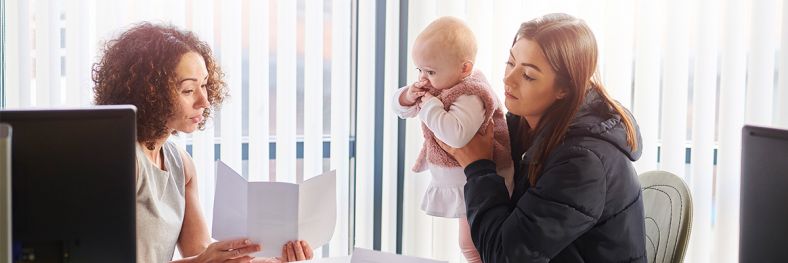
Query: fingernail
[[246, 242]]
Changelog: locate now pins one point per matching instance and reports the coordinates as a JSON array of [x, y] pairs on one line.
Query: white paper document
[[361, 255], [273, 213]]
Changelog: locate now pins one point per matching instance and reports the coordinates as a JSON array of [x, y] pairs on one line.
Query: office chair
[[667, 205]]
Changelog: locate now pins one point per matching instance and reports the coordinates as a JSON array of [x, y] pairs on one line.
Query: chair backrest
[[668, 213]]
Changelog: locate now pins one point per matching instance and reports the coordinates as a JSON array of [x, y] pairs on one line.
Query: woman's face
[[192, 99], [529, 81]]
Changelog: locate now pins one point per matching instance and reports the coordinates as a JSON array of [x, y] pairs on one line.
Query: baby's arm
[[403, 111], [456, 126]]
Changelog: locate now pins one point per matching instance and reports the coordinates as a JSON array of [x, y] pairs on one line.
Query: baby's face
[[436, 66]]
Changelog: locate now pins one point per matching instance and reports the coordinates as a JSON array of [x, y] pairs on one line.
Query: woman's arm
[[194, 237], [567, 200], [194, 241]]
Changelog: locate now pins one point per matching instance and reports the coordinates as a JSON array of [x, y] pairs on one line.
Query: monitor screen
[[73, 184], [764, 195]]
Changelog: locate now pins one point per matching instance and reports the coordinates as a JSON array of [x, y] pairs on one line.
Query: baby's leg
[[466, 243]]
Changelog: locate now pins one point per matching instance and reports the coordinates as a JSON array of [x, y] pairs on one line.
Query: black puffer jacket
[[585, 207]]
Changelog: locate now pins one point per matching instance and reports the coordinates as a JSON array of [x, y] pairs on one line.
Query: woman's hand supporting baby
[[480, 147]]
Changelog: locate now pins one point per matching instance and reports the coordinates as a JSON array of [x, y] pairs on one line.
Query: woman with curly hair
[[175, 83]]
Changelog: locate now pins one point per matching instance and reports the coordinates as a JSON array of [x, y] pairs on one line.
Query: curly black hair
[[138, 68]]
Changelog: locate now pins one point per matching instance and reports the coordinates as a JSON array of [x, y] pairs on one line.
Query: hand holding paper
[[273, 213], [361, 255]]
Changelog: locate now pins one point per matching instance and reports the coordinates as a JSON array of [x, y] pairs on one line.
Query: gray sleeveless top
[[160, 205]]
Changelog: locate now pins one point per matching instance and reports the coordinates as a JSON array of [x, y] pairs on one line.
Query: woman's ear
[[561, 94]]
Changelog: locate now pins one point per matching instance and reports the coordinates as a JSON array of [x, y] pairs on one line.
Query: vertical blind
[[287, 65]]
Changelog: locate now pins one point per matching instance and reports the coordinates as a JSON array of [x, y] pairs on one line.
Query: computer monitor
[[764, 195], [73, 184]]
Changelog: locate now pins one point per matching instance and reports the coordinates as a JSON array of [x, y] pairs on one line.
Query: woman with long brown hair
[[576, 196]]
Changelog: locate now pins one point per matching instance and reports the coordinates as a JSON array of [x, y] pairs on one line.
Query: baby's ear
[[467, 68]]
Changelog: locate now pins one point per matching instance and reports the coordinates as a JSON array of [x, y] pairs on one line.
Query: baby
[[454, 102]]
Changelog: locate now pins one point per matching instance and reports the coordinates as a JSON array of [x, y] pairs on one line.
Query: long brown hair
[[571, 49]]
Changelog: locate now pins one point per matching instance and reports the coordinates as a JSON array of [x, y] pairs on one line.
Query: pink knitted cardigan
[[475, 84]]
